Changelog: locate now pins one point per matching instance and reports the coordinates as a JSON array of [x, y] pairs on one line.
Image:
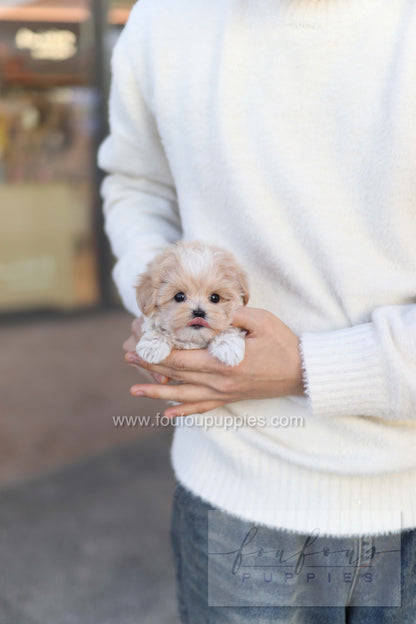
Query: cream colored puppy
[[188, 296]]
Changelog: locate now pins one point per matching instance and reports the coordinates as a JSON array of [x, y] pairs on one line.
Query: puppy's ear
[[146, 291], [242, 282]]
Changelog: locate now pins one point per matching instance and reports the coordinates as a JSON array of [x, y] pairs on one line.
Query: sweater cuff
[[344, 373]]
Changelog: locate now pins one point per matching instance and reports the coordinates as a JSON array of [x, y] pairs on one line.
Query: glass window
[[50, 120]]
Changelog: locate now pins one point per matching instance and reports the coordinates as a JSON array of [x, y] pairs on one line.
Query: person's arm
[[271, 368], [140, 204], [364, 370]]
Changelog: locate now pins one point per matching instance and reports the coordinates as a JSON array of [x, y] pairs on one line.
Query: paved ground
[[89, 544], [61, 383], [84, 505]]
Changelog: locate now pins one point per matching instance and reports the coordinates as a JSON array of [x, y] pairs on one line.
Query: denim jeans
[[196, 540]]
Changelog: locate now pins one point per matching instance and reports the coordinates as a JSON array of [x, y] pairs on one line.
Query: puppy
[[188, 296]]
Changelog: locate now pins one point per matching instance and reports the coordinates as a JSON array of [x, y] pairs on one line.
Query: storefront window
[[49, 120]]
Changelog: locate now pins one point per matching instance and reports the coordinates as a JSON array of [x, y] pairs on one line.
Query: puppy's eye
[[179, 297], [214, 298]]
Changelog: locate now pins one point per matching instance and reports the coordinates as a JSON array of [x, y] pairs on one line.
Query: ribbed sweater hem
[[281, 495]]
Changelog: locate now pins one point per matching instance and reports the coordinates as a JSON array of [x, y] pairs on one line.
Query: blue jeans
[[212, 571]]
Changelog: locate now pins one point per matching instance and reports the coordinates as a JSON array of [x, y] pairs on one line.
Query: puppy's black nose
[[199, 312]]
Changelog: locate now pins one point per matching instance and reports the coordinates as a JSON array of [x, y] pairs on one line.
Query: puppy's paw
[[152, 348], [229, 348]]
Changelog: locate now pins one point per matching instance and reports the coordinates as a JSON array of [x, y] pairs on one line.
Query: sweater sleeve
[[139, 198], [366, 370]]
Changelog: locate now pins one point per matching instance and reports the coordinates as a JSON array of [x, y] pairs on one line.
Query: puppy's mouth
[[197, 323]]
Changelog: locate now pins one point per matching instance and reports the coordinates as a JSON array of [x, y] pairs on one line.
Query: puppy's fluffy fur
[[188, 296]]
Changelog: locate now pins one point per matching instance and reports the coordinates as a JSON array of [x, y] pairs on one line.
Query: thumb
[[248, 319]]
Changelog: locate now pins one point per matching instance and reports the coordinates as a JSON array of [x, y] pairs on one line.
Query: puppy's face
[[192, 290]]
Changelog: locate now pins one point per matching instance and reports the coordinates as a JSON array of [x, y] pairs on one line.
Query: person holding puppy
[[282, 131]]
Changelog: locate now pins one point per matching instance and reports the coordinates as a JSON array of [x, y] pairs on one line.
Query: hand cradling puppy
[[188, 296]]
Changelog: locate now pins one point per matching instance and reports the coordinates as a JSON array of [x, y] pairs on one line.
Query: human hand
[[271, 368], [131, 357]]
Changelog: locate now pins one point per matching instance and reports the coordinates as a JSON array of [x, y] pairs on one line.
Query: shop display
[[49, 117]]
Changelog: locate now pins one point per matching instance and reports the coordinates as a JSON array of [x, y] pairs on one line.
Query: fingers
[[186, 361], [136, 332], [192, 408], [136, 328], [163, 373], [193, 360], [184, 393], [146, 376], [132, 359], [160, 378], [130, 344], [251, 319], [157, 371]]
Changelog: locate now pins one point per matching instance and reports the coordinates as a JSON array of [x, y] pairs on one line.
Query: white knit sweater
[[285, 131]]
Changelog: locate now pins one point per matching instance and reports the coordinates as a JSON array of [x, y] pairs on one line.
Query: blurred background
[[84, 504]]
